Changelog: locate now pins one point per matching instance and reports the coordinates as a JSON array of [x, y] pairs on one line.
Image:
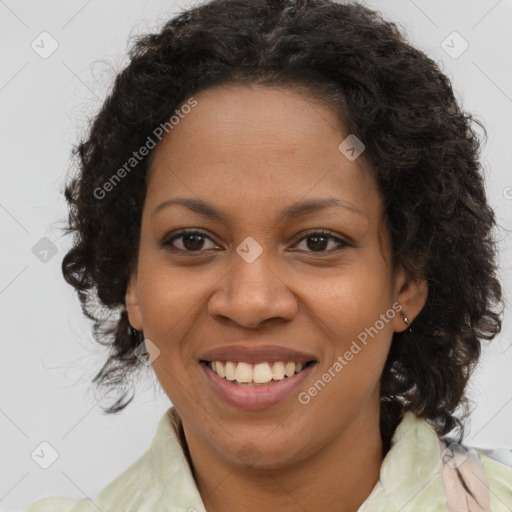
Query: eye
[[192, 241], [320, 239]]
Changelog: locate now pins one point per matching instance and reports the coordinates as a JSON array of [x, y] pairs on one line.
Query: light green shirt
[[411, 477]]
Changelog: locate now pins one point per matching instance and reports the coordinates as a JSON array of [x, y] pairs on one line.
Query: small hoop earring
[[407, 322]]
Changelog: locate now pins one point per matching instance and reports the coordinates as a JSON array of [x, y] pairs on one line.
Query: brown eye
[[191, 241], [318, 241]]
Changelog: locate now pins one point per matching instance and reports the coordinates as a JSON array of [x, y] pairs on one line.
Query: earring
[[407, 321]]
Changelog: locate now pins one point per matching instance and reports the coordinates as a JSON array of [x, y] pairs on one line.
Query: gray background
[[48, 355]]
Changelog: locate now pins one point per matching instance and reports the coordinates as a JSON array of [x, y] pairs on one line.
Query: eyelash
[[322, 232]]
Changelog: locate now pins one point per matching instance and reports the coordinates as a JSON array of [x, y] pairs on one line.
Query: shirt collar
[[410, 474]]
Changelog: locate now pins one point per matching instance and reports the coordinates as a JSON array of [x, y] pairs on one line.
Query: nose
[[251, 294]]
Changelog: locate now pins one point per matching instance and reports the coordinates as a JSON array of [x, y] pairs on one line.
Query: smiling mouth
[[260, 374]]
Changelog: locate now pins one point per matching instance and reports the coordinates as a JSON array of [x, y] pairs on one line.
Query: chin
[[262, 453]]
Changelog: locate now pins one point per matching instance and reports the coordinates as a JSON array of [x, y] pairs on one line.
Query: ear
[[132, 302], [412, 295]]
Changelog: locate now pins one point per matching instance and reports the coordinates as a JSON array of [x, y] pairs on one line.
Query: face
[[262, 283]]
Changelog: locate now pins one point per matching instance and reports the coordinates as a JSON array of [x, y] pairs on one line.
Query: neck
[[338, 477]]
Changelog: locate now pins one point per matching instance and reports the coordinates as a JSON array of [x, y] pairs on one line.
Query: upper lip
[[256, 354]]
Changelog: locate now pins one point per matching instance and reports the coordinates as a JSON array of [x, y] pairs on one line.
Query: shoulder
[[161, 475], [62, 505], [131, 481], [498, 468]]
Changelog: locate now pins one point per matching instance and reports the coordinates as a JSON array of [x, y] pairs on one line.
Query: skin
[[250, 151]]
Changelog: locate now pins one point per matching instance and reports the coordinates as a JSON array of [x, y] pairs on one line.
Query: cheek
[[169, 299], [168, 293], [351, 312], [352, 301], [350, 375]]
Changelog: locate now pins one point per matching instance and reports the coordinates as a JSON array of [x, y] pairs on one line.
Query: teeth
[[278, 370], [220, 369], [243, 372], [261, 373], [289, 369], [230, 370]]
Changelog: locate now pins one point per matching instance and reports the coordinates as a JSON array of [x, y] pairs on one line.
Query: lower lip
[[255, 397]]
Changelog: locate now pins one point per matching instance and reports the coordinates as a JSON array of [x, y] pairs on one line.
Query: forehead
[[257, 142]]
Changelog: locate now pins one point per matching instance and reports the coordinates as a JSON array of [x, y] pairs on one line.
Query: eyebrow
[[289, 213]]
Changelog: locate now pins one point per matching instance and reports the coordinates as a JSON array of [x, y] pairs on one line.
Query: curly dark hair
[[420, 147]]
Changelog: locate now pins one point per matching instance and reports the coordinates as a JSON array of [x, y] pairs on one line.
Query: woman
[[281, 204]]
